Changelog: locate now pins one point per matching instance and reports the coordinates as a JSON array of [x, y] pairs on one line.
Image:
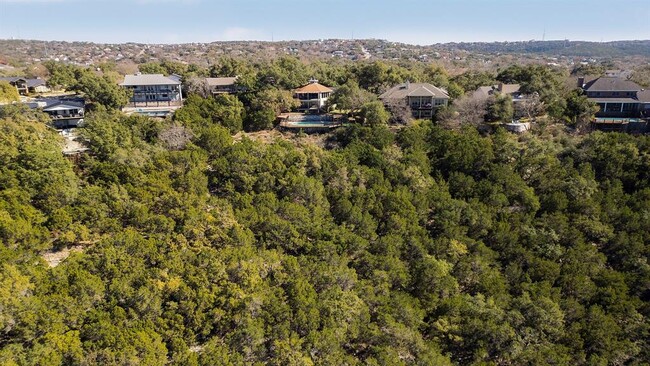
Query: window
[[628, 107]]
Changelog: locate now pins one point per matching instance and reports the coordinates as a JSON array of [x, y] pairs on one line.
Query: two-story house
[[223, 85], [154, 90], [422, 98], [64, 112], [26, 86], [616, 97], [312, 97]]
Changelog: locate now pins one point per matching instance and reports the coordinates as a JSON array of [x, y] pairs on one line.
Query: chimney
[[408, 84], [581, 82], [500, 87]]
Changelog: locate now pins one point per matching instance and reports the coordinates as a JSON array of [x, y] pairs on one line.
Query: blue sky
[[410, 21]]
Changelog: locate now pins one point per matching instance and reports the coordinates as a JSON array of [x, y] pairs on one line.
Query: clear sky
[[411, 21]]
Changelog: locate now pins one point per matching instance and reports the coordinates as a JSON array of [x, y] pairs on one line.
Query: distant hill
[[19, 52], [560, 47]]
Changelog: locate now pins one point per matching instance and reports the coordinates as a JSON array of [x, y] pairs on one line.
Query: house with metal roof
[[26, 86], [422, 98], [153, 92], [312, 96], [223, 85], [64, 112]]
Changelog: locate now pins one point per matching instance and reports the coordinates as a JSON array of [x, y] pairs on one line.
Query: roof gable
[[313, 88]]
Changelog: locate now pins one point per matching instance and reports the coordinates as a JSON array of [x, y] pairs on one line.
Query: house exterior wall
[[155, 93], [424, 107], [611, 94], [311, 100]]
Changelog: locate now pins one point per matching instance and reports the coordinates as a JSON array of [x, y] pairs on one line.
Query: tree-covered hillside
[[422, 247]]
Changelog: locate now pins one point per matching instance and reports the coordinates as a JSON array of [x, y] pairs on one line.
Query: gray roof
[[414, 90], [643, 96], [608, 83], [64, 104], [486, 91], [148, 79], [221, 81], [31, 83], [11, 79]]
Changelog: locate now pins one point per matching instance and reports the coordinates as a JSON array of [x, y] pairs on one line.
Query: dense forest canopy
[[418, 243], [415, 246]]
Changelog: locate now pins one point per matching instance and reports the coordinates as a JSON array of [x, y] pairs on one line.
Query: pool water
[[617, 119], [309, 123]]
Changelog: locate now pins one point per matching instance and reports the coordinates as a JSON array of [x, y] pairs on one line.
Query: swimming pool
[[302, 121], [617, 120]]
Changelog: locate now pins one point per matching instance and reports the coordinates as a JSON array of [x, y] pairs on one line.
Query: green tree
[[100, 89], [500, 108], [579, 109], [8, 93], [374, 114], [350, 97]]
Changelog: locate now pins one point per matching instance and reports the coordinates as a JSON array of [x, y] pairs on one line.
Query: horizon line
[[324, 39]]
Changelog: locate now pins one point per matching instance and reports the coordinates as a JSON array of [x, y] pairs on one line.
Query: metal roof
[[221, 81], [31, 83], [148, 79]]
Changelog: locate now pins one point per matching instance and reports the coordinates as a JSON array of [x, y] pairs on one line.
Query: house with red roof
[[312, 97]]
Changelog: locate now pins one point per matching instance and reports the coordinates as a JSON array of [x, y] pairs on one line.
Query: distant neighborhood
[[413, 85]]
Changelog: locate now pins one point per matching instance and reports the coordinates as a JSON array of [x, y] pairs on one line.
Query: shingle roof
[[148, 79], [313, 88], [221, 81], [414, 90], [608, 83]]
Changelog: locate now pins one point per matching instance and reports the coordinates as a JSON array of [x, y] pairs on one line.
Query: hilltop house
[[312, 96], [223, 85], [422, 98], [153, 94], [26, 86], [64, 112], [512, 90], [617, 97]]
